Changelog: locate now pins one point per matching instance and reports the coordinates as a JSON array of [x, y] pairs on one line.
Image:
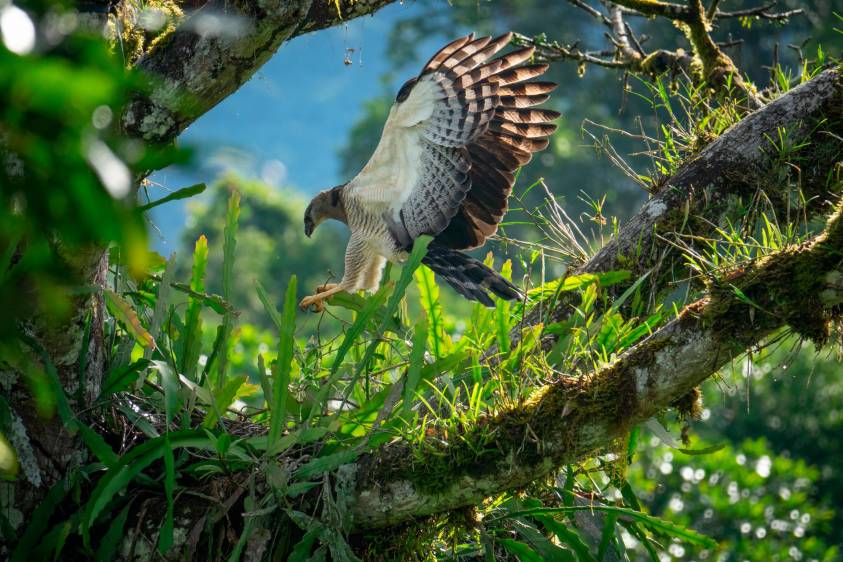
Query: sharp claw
[[314, 301]]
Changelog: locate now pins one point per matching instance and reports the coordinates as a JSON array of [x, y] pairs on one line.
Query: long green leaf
[[568, 537], [229, 253], [502, 312], [350, 338], [97, 445], [281, 369], [325, 464], [182, 193], [222, 399], [158, 314], [38, 522], [521, 550], [416, 363], [192, 336], [171, 386], [130, 466], [429, 298], [413, 262], [120, 378], [165, 534], [653, 523], [607, 537], [113, 538], [125, 314]]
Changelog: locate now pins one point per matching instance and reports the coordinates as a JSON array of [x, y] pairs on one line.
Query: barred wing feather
[[453, 139]]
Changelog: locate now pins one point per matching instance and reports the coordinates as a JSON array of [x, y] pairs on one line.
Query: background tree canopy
[[683, 225]]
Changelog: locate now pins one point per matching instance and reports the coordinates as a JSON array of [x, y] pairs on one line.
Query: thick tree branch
[[215, 50], [736, 164], [574, 418]]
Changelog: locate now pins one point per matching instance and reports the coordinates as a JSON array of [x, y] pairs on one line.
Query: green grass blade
[[161, 302], [165, 534], [266, 384], [229, 253], [502, 309], [429, 298], [358, 326]]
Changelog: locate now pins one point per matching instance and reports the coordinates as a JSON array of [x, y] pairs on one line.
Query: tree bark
[[198, 66], [737, 164], [573, 418], [191, 71]]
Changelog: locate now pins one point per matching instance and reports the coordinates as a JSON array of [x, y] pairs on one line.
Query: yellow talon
[[316, 301]]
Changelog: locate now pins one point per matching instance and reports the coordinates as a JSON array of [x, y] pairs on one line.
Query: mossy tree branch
[[571, 419], [718, 69], [197, 66], [735, 165]]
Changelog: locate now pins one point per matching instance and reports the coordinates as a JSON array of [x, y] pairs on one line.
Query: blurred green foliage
[[792, 396], [760, 505], [64, 188]]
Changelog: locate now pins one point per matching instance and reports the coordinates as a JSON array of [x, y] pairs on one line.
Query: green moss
[[783, 286], [689, 406], [126, 26]]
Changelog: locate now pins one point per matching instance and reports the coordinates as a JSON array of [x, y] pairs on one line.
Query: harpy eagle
[[443, 167]]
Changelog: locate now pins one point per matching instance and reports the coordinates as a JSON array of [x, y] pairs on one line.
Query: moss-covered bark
[[733, 167], [194, 69], [570, 419]]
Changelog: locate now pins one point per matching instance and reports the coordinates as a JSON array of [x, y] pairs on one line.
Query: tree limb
[[571, 419], [736, 164], [216, 50]]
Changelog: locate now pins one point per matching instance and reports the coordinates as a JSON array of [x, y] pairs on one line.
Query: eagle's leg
[[357, 258], [316, 300]]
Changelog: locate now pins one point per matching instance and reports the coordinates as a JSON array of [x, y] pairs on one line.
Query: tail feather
[[468, 276]]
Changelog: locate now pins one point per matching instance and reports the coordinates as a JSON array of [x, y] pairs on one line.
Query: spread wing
[[452, 140]]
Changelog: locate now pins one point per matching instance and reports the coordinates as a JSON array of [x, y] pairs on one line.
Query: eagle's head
[[326, 205]]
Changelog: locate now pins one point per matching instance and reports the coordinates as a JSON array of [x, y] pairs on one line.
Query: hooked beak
[[308, 229]]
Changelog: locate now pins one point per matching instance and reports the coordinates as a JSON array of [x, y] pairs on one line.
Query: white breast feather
[[389, 177]]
